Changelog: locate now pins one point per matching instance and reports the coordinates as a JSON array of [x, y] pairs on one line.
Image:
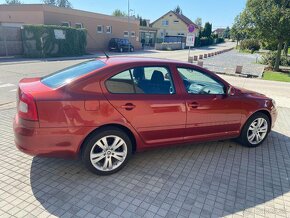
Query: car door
[[211, 113], [149, 101]]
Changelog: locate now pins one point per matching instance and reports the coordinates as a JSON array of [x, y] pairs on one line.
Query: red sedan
[[104, 110]]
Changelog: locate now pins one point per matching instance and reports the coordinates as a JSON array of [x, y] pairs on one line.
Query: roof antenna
[[107, 56]]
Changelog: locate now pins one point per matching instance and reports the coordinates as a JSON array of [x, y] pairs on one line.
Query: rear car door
[[148, 99], [211, 113]]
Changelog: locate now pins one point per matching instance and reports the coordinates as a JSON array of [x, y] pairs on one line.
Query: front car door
[[148, 99], [211, 113]]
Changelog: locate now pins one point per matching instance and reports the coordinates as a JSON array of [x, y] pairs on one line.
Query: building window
[[126, 34], [165, 22], [67, 24], [176, 21], [79, 25], [133, 34], [161, 34], [108, 29], [100, 29]]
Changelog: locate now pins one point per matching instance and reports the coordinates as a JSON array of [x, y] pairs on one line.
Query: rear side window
[[142, 80], [69, 74]]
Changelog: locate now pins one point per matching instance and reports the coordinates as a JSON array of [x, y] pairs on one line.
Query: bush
[[197, 42], [204, 41], [270, 58], [250, 44], [40, 40], [220, 40]]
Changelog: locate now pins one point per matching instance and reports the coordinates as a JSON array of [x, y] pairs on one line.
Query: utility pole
[[129, 24]]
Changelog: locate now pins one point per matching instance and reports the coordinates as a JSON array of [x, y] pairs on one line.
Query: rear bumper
[[49, 142]]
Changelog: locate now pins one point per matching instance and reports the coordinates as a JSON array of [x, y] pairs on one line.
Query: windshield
[[69, 74]]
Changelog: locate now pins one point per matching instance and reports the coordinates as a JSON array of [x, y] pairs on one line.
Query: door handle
[[128, 106], [193, 104]]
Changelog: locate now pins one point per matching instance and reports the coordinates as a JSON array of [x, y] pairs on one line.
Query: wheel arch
[[264, 111], [119, 126]]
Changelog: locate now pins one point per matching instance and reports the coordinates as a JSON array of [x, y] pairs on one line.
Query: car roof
[[137, 60]]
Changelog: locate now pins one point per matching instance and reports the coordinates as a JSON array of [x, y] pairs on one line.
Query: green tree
[[64, 4], [239, 29], [13, 2], [207, 30], [119, 13], [58, 3], [49, 2], [198, 22], [227, 33], [270, 21], [177, 10]]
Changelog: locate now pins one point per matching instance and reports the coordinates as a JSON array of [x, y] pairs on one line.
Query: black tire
[[89, 145], [243, 138]]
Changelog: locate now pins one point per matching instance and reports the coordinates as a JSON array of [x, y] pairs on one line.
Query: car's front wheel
[[107, 151], [255, 130]]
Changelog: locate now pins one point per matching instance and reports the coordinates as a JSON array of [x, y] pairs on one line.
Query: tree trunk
[[278, 57], [286, 48]]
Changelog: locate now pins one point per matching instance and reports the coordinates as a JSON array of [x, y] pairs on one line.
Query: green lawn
[[276, 76]]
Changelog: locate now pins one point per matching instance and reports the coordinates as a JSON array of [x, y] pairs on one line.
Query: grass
[[276, 76]]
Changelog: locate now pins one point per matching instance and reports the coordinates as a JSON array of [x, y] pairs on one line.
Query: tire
[[121, 50], [255, 130], [131, 49], [104, 160]]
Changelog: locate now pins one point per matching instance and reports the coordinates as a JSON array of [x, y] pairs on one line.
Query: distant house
[[100, 27], [219, 32], [173, 25]]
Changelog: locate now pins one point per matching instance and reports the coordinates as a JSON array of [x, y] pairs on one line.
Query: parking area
[[211, 179], [196, 180]]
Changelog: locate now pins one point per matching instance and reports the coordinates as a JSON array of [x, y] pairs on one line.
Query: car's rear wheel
[[107, 151], [255, 130]]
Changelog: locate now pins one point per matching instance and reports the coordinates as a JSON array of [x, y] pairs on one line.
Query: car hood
[[243, 91]]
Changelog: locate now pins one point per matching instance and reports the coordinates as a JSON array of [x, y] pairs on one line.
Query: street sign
[[191, 28], [190, 38]]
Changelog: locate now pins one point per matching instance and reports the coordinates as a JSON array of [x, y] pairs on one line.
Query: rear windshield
[[69, 74]]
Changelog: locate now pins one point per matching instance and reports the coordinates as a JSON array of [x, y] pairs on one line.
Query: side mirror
[[231, 91]]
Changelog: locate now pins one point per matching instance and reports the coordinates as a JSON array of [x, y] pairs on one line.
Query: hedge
[[74, 43]]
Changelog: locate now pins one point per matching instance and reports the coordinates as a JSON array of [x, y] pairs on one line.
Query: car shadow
[[213, 179]]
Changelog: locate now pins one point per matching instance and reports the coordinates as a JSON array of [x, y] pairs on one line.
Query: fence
[[10, 41]]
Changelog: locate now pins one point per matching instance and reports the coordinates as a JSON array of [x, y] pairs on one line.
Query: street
[[211, 179]]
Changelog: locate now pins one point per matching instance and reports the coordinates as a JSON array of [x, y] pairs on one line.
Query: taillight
[[26, 106]]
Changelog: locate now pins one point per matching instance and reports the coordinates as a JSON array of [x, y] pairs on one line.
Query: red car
[[104, 110]]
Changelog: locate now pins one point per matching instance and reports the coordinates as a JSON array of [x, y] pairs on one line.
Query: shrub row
[[270, 58], [250, 44], [41, 40]]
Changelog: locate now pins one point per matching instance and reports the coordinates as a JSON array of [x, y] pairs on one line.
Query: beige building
[[100, 28], [173, 24]]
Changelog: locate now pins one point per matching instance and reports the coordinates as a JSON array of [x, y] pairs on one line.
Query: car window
[[196, 82], [121, 83], [69, 74], [145, 80]]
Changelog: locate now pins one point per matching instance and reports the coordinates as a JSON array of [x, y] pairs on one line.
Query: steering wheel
[[202, 90]]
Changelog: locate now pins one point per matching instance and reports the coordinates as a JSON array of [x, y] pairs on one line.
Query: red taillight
[[26, 106]]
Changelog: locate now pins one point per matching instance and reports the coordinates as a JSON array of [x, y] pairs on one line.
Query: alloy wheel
[[257, 131], [108, 153]]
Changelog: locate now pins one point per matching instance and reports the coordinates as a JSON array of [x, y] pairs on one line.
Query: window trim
[[81, 25], [102, 31], [110, 32], [134, 87], [133, 35], [127, 35], [204, 73], [66, 22]]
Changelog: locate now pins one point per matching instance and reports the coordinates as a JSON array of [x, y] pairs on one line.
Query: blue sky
[[220, 13]]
